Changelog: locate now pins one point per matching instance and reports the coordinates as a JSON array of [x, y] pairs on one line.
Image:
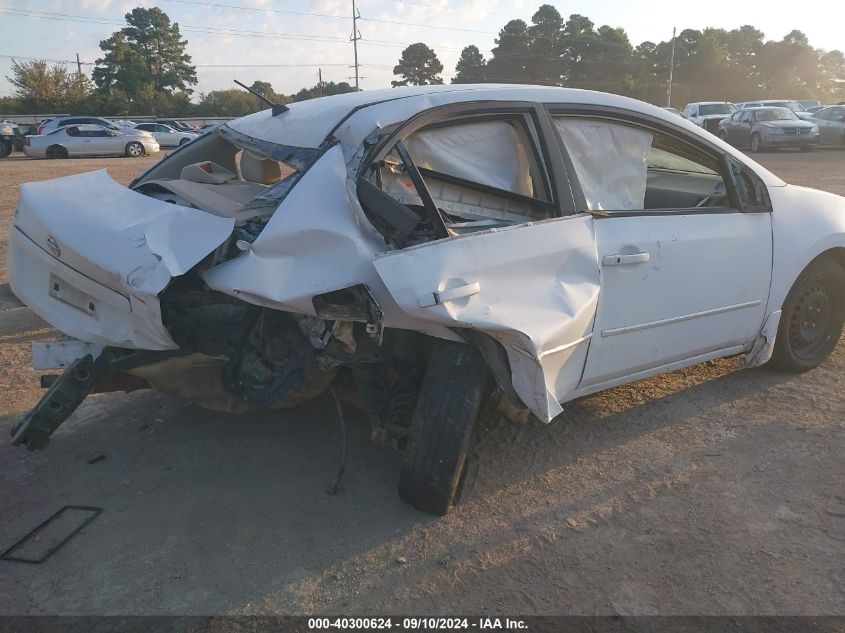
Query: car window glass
[[73, 131], [163, 128], [622, 167]]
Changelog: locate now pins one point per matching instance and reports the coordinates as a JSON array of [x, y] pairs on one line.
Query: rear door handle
[[436, 298], [619, 259]]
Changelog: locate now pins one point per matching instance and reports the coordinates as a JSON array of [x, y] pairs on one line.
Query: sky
[[286, 41]]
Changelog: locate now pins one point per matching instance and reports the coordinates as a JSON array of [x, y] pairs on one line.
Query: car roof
[[308, 123], [710, 103], [350, 118]]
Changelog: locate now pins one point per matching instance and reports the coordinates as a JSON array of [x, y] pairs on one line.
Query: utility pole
[[356, 35], [78, 66], [320, 80], [671, 72]]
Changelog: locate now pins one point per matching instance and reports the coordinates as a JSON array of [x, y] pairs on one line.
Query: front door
[[685, 271]]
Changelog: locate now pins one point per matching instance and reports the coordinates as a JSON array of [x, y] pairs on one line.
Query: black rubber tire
[[5, 149], [828, 275], [134, 150], [183, 141], [759, 147], [56, 151], [435, 456]]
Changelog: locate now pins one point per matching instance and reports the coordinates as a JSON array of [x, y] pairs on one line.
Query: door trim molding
[[678, 319]]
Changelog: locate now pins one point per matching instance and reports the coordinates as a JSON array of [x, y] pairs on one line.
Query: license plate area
[[72, 296]]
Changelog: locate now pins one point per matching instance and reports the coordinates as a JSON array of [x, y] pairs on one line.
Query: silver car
[[90, 140], [831, 124]]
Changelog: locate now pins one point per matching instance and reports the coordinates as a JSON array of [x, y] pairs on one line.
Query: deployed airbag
[[610, 160]]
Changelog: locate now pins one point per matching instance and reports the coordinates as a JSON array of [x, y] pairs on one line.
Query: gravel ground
[[707, 491]]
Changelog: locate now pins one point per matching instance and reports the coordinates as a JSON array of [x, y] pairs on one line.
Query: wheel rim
[[135, 150], [812, 320]]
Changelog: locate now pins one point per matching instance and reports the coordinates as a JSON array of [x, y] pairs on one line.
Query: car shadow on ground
[[208, 512]]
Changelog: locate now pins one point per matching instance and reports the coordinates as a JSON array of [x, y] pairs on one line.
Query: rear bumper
[[79, 306]]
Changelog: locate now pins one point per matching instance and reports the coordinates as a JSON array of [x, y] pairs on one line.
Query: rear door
[[508, 268]]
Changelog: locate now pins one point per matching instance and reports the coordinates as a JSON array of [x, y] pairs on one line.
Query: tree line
[[710, 64], [144, 68]]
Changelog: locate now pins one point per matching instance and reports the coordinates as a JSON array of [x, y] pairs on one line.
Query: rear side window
[[478, 171]]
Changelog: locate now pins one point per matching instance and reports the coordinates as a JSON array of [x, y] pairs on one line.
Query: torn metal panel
[[318, 241], [534, 288], [764, 346]]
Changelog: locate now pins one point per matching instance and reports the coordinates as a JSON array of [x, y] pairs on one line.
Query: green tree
[[149, 51], [234, 102], [40, 85], [544, 66], [418, 66], [326, 89], [471, 66], [511, 54]]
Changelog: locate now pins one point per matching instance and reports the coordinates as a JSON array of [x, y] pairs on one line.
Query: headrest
[[207, 172], [255, 168]]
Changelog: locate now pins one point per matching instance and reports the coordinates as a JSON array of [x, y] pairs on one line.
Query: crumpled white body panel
[[116, 246], [537, 291], [318, 240]]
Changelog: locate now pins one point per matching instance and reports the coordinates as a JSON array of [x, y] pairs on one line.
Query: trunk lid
[[89, 228]]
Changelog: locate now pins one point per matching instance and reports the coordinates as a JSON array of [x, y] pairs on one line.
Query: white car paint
[[88, 140], [166, 135], [692, 287], [98, 280]]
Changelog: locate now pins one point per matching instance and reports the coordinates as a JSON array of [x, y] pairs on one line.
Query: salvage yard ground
[[710, 490]]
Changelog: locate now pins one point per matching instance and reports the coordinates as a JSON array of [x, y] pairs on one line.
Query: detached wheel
[[812, 318], [450, 399], [756, 143], [134, 149]]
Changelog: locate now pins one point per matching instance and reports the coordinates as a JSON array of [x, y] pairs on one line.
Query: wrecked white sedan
[[430, 242]]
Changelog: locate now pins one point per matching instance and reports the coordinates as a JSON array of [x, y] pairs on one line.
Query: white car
[[436, 242], [708, 114], [166, 135], [89, 140]]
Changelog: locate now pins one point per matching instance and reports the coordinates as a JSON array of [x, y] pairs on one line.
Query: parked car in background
[[166, 135], [90, 140], [707, 114], [810, 105], [793, 105], [831, 123], [436, 242], [768, 128], [52, 124], [177, 125], [123, 123], [10, 138]]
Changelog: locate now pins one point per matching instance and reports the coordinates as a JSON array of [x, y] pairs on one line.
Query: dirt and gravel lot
[[708, 491]]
